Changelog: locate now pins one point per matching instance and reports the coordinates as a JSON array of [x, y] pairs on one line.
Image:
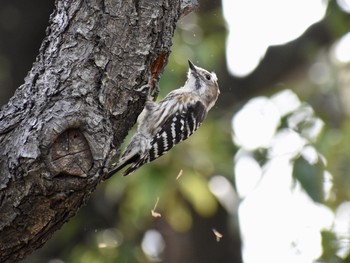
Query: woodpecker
[[172, 120]]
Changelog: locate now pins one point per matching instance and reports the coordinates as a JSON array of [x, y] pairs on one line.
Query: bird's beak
[[192, 66]]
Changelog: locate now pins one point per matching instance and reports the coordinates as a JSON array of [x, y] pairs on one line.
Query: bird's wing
[[178, 127]]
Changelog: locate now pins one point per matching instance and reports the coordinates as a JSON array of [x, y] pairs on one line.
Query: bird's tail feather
[[121, 165]]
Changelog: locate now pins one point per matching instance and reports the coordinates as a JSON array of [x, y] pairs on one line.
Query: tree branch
[[60, 129]]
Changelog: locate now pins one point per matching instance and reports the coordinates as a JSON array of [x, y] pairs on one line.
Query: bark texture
[[62, 126]]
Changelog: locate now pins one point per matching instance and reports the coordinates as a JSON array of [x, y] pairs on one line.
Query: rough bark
[[60, 129]]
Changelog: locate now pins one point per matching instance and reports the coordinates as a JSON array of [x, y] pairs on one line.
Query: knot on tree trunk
[[76, 140], [70, 154]]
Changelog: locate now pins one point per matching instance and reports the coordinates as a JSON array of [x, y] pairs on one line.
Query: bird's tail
[[120, 165], [134, 155], [137, 163]]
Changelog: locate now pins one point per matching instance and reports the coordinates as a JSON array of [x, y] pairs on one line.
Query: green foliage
[[311, 177], [335, 144], [330, 247]]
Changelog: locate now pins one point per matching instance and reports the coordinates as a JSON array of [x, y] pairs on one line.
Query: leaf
[[311, 178]]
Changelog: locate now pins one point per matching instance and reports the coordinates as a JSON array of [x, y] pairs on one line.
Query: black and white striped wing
[[178, 127]]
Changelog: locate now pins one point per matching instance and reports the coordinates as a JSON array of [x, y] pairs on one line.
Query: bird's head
[[203, 82]]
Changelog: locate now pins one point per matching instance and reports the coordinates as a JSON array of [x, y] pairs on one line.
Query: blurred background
[[267, 176]]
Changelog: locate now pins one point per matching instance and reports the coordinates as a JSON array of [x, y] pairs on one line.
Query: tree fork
[[79, 100]]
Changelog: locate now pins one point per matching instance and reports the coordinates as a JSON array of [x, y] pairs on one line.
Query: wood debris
[[217, 234], [153, 211], [179, 174]]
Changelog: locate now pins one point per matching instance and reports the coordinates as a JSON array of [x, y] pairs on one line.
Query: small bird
[[172, 120]]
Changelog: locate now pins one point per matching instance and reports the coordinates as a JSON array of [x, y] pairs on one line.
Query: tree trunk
[[63, 125]]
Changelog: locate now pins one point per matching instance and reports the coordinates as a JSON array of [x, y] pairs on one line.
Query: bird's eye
[[207, 76]]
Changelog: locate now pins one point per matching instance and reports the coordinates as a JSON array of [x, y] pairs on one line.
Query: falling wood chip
[[153, 211], [179, 175], [217, 234]]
